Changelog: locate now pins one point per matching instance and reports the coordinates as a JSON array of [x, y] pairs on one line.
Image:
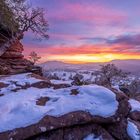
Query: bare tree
[[34, 57], [29, 18], [107, 73], [22, 18]]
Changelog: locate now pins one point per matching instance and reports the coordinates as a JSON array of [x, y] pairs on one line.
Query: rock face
[[68, 113], [14, 51], [13, 61]]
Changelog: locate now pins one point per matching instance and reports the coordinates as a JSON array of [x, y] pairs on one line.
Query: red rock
[[18, 65], [74, 92], [135, 115], [76, 133], [14, 51], [42, 84], [16, 47], [3, 85], [119, 130], [53, 123], [42, 101], [12, 54]]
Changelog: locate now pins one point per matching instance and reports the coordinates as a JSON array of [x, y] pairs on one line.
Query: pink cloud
[[94, 13], [83, 49]]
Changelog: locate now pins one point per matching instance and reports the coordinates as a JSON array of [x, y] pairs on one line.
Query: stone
[[135, 115], [42, 101], [52, 123], [42, 84], [18, 65], [119, 130], [76, 133], [74, 92], [3, 85]]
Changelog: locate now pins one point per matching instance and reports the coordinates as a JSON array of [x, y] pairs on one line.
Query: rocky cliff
[[12, 61]]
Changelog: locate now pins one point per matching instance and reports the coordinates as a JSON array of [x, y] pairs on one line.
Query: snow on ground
[[68, 75], [133, 131], [61, 82], [15, 81], [88, 77], [62, 75], [92, 137], [135, 105], [20, 110], [20, 79]]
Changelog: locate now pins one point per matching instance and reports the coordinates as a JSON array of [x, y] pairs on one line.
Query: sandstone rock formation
[[13, 61]]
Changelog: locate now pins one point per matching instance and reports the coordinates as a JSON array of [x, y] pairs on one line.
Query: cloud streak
[[79, 29]]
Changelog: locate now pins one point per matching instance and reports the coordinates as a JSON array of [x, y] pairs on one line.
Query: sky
[[82, 31]]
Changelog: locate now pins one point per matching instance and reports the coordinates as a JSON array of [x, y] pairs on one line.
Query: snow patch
[[43, 129], [61, 82], [92, 137], [16, 81], [135, 105], [20, 109], [133, 131], [20, 79]]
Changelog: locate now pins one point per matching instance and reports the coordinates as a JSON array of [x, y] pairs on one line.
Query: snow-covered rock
[[135, 105], [133, 131], [92, 137], [30, 105], [135, 109], [96, 100]]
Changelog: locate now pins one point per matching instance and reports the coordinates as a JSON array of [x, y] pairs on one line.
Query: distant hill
[[132, 66]]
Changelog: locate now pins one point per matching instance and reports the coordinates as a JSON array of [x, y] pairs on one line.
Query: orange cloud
[[85, 53]]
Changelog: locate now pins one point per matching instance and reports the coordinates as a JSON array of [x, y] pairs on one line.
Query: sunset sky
[[88, 31]]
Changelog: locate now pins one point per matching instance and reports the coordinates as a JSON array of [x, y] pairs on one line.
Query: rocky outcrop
[[13, 61], [18, 65], [124, 124], [14, 51]]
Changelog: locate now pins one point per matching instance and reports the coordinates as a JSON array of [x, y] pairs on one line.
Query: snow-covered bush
[[108, 73], [78, 79], [132, 89]]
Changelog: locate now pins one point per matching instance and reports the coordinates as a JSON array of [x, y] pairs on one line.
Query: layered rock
[[13, 61], [14, 51]]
